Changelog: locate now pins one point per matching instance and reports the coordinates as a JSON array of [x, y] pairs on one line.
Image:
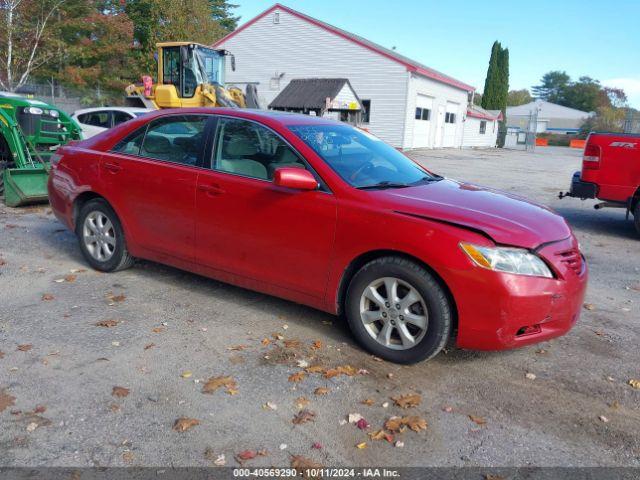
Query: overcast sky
[[596, 38]]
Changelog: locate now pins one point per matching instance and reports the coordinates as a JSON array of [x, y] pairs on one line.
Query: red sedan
[[323, 214]]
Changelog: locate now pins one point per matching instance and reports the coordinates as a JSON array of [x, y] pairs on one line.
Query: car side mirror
[[297, 178]]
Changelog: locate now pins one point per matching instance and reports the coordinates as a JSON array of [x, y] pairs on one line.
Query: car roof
[[119, 109], [266, 116]]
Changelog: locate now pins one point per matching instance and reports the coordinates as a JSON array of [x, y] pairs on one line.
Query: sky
[[600, 39]]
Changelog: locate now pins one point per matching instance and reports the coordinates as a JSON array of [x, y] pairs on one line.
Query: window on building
[[276, 17], [483, 127], [423, 114], [450, 117], [366, 111]]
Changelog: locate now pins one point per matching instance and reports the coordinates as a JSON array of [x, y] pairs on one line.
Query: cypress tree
[[496, 85]]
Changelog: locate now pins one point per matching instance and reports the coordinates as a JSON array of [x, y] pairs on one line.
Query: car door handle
[[112, 167], [211, 189]]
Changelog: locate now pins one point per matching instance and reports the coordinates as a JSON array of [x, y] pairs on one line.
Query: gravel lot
[[59, 407]]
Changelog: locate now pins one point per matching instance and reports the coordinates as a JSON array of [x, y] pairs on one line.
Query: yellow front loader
[[189, 75]]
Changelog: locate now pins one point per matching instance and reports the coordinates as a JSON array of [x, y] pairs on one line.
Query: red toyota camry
[[327, 215]]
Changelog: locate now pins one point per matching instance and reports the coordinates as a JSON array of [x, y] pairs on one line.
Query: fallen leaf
[[47, 297], [184, 423], [40, 409], [186, 374], [354, 417], [120, 392], [265, 341], [150, 345], [368, 401], [381, 435], [292, 344], [70, 278], [304, 416], [362, 424], [302, 464], [127, 457], [25, 348], [415, 423], [115, 407], [490, 476], [237, 348], [32, 426], [589, 306], [314, 369], [301, 402], [270, 406], [361, 446], [317, 446], [302, 363], [115, 298], [316, 345], [157, 329], [246, 455], [321, 391], [296, 377], [614, 405], [407, 401], [478, 420], [1, 355], [635, 383], [107, 323], [6, 400], [214, 383]]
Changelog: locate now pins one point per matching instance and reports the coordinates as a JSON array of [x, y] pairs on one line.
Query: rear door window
[[120, 117], [97, 119], [176, 139]]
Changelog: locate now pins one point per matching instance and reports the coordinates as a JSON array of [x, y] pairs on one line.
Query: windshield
[[210, 65], [361, 159]]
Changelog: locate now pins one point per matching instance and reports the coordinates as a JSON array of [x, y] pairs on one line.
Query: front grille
[[572, 259]]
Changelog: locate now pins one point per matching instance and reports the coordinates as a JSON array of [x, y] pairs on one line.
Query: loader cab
[[183, 70]]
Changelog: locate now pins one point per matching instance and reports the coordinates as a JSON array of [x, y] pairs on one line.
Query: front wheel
[[398, 311], [101, 237], [636, 217]]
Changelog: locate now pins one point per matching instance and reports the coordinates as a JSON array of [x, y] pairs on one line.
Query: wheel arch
[[635, 199], [364, 258]]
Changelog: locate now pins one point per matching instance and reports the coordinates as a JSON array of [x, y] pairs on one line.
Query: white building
[[551, 118], [481, 127], [407, 104]]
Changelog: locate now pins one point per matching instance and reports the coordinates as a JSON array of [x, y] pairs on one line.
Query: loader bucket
[[25, 185]]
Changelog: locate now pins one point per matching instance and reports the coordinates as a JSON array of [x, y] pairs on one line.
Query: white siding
[[473, 137], [441, 94], [295, 48]]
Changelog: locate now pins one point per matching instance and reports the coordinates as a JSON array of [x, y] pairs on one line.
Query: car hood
[[508, 219]]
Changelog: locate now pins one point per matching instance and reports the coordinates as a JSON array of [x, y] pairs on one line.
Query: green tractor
[[30, 132]]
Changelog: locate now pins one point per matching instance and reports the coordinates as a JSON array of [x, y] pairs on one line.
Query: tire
[[412, 282], [636, 217], [108, 252]]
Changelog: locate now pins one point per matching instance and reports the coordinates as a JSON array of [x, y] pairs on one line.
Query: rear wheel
[[101, 237], [636, 217], [398, 311]]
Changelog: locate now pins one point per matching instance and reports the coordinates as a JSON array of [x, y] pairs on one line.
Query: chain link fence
[[66, 98]]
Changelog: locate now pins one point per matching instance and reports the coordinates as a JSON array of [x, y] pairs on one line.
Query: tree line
[[99, 45]]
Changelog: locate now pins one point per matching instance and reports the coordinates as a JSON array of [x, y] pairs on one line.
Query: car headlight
[[507, 259], [33, 110], [54, 113]]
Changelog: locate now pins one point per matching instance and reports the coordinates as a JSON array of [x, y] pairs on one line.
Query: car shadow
[[609, 222]]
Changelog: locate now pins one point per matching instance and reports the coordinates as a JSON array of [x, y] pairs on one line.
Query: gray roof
[[547, 110], [309, 93]]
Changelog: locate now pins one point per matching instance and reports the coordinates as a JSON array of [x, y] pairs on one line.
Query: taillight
[[591, 157]]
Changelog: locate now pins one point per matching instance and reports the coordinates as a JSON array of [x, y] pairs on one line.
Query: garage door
[[451, 123], [422, 121]]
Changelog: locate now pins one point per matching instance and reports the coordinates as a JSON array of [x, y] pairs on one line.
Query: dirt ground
[[175, 331]]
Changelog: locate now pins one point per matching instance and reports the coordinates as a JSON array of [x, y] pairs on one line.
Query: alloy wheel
[[99, 236], [394, 313]]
